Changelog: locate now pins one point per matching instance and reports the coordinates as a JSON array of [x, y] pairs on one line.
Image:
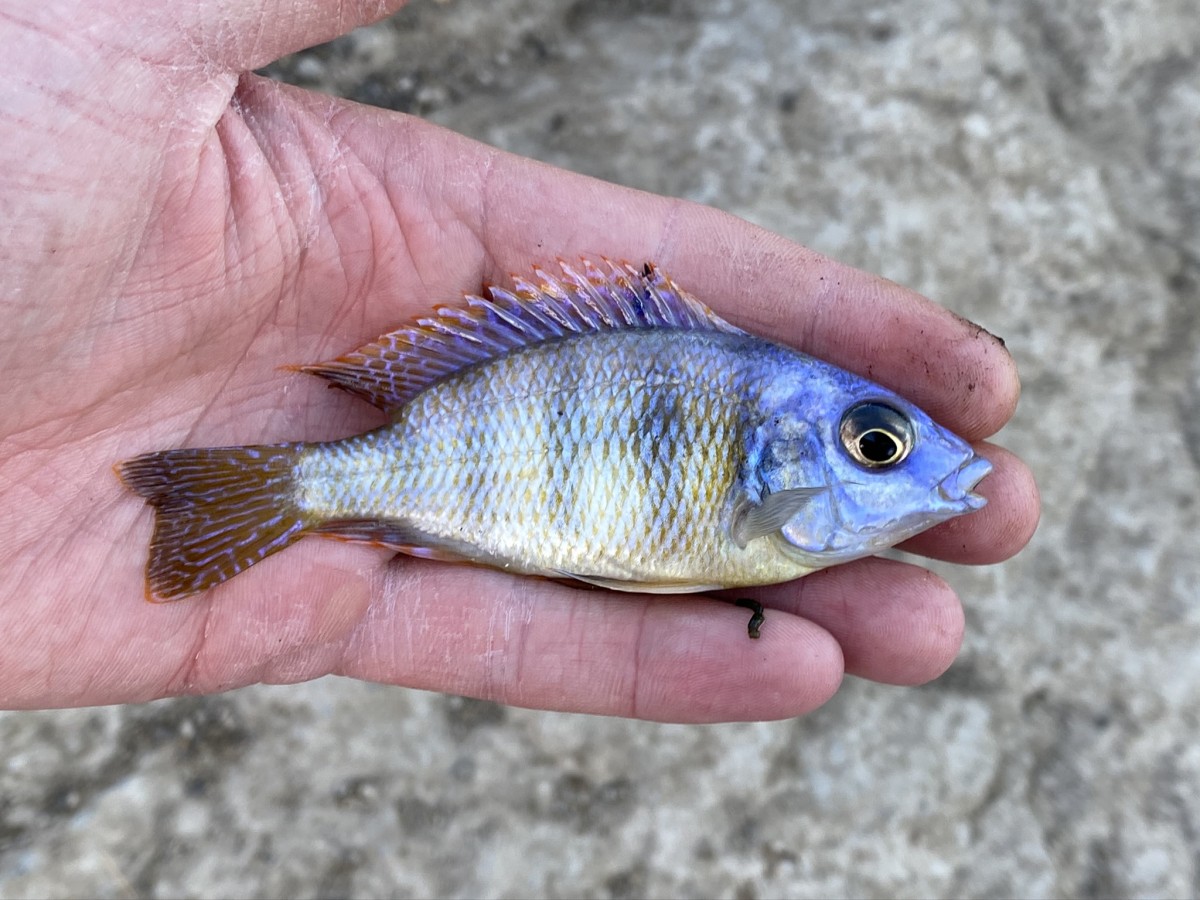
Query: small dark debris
[[466, 714], [419, 816], [360, 790], [64, 799]]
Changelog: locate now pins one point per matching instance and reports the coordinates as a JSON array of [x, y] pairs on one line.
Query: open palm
[[175, 230]]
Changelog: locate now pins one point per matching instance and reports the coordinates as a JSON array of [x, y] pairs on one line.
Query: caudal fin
[[217, 511]]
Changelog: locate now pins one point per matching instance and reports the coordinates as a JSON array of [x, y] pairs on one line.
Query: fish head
[[874, 467]]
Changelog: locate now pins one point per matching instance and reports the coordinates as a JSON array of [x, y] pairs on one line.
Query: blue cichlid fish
[[602, 426]]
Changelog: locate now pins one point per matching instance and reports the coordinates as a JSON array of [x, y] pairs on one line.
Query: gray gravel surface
[[1035, 166]]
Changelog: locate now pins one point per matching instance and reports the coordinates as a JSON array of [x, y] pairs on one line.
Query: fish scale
[[600, 425], [578, 476]]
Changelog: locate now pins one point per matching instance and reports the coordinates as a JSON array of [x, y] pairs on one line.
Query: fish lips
[[956, 489]]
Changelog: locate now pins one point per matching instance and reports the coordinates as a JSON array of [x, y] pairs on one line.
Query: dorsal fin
[[392, 370]]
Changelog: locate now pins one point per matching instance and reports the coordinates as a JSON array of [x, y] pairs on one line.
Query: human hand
[[175, 230]]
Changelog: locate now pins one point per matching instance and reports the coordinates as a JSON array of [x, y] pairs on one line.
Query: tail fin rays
[[218, 511]]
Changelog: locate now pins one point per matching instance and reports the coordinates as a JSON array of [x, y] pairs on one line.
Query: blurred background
[[1033, 165]]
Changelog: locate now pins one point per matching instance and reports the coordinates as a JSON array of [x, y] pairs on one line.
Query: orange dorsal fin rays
[[391, 371]]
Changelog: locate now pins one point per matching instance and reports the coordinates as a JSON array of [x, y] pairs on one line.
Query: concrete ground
[[1034, 165]]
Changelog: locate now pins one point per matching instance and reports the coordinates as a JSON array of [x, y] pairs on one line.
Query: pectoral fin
[[754, 520]]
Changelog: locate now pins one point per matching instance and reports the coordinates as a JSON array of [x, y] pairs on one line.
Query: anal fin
[[402, 539]]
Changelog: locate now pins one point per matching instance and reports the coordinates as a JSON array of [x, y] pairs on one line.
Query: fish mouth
[[957, 486]]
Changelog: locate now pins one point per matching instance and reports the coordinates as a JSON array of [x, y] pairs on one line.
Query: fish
[[599, 425]]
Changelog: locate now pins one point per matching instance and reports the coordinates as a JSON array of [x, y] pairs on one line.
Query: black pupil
[[878, 446]]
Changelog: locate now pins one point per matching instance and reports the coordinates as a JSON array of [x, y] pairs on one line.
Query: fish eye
[[876, 435]]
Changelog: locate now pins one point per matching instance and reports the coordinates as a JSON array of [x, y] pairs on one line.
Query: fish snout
[[957, 486]]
